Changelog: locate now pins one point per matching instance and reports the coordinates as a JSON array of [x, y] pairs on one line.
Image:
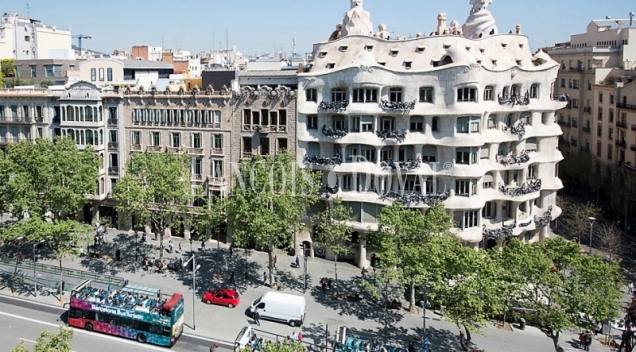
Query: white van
[[281, 307]]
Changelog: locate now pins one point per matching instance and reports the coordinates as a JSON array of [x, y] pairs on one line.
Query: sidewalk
[[322, 311]]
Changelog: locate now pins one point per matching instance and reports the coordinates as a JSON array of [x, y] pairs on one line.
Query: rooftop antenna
[[631, 19], [28, 8], [294, 53]]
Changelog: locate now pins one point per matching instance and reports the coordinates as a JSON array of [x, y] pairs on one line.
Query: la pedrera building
[[465, 115]]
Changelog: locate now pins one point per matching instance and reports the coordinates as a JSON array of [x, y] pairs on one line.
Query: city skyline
[[286, 19]]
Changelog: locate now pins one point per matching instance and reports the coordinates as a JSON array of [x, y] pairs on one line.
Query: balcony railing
[[399, 136], [216, 181], [633, 127], [518, 130], [544, 219], [621, 124], [113, 122], [196, 151], [136, 147], [175, 149], [561, 97], [338, 106], [328, 162], [408, 165], [497, 234], [563, 141], [531, 186], [586, 129], [197, 177], [415, 198], [216, 151], [397, 106], [333, 133], [515, 99], [247, 155], [154, 148], [626, 106], [113, 145], [513, 159], [621, 143], [113, 170]]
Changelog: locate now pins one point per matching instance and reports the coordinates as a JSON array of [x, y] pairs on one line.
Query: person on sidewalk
[[231, 249], [630, 288], [300, 336], [257, 317], [297, 262], [231, 278], [588, 340], [202, 244], [265, 278], [180, 248], [118, 255], [274, 263], [214, 347]]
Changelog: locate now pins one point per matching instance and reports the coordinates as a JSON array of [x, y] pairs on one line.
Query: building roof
[[614, 23], [146, 65], [269, 73]]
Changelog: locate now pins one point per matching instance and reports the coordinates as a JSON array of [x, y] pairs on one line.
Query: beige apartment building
[[596, 68]]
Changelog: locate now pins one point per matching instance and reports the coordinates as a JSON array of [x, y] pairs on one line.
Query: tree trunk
[[464, 336], [554, 335], [412, 297], [61, 280]]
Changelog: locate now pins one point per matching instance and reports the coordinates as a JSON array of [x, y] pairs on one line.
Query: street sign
[[425, 345]]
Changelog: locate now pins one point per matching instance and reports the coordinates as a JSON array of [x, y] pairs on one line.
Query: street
[[22, 324]]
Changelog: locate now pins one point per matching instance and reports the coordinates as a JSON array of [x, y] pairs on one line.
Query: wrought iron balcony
[[621, 124], [415, 198], [626, 106], [397, 106], [327, 191], [531, 186], [399, 135], [113, 145], [561, 97], [621, 143], [519, 130], [544, 219], [586, 129], [408, 165], [515, 99], [113, 170], [113, 122], [498, 234], [333, 133], [333, 106], [513, 159], [328, 162]]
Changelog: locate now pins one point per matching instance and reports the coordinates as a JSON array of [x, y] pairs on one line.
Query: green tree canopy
[[50, 342], [7, 69], [47, 176], [156, 189], [267, 202]]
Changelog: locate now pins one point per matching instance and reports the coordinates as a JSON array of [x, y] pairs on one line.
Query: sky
[[258, 27]]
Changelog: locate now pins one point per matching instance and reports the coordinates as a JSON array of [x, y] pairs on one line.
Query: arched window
[[71, 133], [101, 137], [89, 137]]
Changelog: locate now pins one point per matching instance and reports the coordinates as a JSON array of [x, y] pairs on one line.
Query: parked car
[[223, 297]]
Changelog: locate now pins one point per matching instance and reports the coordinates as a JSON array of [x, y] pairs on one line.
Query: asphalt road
[[24, 321]]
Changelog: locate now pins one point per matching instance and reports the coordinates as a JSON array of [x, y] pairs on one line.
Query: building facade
[[466, 117], [46, 72], [23, 38], [595, 66]]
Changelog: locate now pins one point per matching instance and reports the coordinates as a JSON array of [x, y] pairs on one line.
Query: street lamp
[[591, 224], [424, 304], [35, 274], [304, 267], [195, 267]]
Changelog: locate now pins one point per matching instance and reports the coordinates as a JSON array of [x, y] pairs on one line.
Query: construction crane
[[79, 40]]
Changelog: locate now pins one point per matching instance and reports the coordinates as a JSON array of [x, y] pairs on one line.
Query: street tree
[[611, 240], [576, 216], [50, 342], [62, 237], [465, 282], [47, 178], [333, 226], [566, 289], [267, 201], [400, 243], [211, 216], [156, 189], [7, 70]]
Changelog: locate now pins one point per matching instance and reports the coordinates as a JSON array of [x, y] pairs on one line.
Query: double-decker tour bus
[[134, 312]]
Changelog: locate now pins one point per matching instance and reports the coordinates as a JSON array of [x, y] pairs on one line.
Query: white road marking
[[106, 337]]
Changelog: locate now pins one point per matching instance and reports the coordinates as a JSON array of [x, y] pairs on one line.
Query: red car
[[223, 297]]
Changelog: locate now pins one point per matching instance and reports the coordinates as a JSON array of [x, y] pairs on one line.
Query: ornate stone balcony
[[498, 234], [515, 99], [320, 161], [561, 97], [333, 133], [327, 191], [154, 148], [216, 151], [195, 151], [408, 165], [136, 147], [519, 130], [544, 219]]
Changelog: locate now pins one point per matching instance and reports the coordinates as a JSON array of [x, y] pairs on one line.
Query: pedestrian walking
[[630, 288], [202, 244], [257, 317], [214, 347], [300, 336], [297, 262], [274, 262], [588, 340], [231, 278], [264, 277], [231, 248], [180, 248], [118, 255]]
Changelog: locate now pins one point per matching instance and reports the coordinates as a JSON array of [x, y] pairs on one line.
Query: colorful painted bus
[[133, 312]]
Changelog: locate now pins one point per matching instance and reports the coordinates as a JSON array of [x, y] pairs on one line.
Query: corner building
[[462, 116]]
